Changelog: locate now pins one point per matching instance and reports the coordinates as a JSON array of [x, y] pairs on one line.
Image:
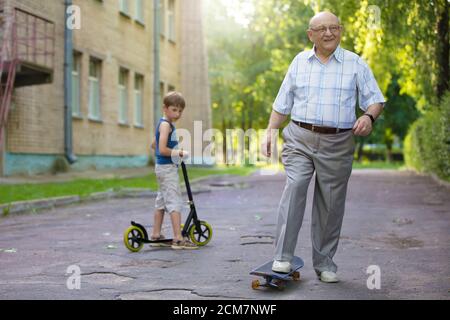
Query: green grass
[[85, 187], [370, 165], [378, 165]]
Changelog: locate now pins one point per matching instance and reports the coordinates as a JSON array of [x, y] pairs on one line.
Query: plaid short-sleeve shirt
[[325, 94]]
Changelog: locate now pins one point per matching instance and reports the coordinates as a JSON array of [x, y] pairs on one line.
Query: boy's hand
[[183, 154]]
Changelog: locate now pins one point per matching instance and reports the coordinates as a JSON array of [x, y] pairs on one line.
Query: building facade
[[126, 55]]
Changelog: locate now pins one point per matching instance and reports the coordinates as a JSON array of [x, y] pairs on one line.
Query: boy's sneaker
[[184, 244], [159, 244]]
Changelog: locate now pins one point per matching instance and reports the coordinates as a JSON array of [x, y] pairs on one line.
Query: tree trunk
[[389, 154], [2, 152], [360, 150], [224, 144], [243, 119], [442, 47], [250, 116], [229, 151]]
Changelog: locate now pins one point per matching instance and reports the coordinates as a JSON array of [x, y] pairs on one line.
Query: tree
[[405, 42], [400, 113]]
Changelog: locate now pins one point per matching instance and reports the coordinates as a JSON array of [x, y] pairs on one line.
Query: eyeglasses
[[322, 29]]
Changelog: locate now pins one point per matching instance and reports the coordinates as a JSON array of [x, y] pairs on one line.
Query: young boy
[[169, 194]]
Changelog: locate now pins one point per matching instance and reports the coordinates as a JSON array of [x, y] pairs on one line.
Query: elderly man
[[319, 92]]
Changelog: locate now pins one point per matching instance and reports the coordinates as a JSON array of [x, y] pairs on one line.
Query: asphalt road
[[398, 222]]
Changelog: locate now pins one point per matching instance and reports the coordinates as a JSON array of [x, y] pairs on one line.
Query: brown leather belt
[[314, 128]]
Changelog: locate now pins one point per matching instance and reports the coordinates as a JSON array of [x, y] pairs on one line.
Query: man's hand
[[266, 146], [362, 127], [275, 121]]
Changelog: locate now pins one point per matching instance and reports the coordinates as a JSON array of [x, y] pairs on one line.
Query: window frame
[[124, 8], [76, 79], [139, 80], [139, 11], [171, 21], [162, 18], [123, 95], [94, 111]]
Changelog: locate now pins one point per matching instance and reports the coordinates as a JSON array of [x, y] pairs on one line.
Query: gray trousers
[[331, 157]]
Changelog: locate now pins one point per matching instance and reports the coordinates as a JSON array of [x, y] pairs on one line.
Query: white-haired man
[[319, 92]]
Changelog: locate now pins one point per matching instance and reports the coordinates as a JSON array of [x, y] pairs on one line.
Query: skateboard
[[275, 279]]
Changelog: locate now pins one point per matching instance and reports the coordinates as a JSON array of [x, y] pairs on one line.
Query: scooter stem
[[186, 181]]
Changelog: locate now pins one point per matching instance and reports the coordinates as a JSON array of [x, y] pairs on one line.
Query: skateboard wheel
[[200, 237], [255, 284], [296, 276], [279, 284], [133, 238]]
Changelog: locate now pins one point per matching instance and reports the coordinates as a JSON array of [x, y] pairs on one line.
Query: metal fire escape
[[27, 44]]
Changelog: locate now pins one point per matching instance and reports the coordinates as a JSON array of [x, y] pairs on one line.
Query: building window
[[138, 100], [171, 20], [95, 66], [162, 17], [139, 11], [123, 96], [124, 7], [76, 71]]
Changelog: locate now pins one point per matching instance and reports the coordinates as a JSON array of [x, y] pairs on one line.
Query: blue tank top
[[172, 142]]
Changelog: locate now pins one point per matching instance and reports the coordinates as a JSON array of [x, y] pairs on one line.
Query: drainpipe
[[68, 65], [156, 64]]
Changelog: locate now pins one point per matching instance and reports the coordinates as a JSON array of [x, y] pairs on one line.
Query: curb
[[22, 207], [39, 204], [439, 181]]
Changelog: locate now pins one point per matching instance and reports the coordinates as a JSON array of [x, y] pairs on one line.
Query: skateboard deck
[[276, 279]]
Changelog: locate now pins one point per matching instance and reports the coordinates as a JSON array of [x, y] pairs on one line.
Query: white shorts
[[169, 193]]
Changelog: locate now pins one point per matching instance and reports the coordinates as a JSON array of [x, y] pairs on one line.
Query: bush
[[151, 161], [381, 155], [427, 145], [60, 165]]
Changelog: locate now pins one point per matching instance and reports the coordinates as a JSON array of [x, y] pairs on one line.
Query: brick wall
[[170, 52], [119, 41], [194, 70], [36, 121]]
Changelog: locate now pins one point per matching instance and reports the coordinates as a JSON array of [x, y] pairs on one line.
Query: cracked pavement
[[397, 220]]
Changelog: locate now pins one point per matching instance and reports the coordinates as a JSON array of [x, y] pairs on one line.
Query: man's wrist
[[370, 116]]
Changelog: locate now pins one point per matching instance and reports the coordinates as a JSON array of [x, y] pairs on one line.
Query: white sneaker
[[281, 266], [329, 277]]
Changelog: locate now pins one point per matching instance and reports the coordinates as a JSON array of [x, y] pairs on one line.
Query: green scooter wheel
[[201, 237], [133, 238]]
